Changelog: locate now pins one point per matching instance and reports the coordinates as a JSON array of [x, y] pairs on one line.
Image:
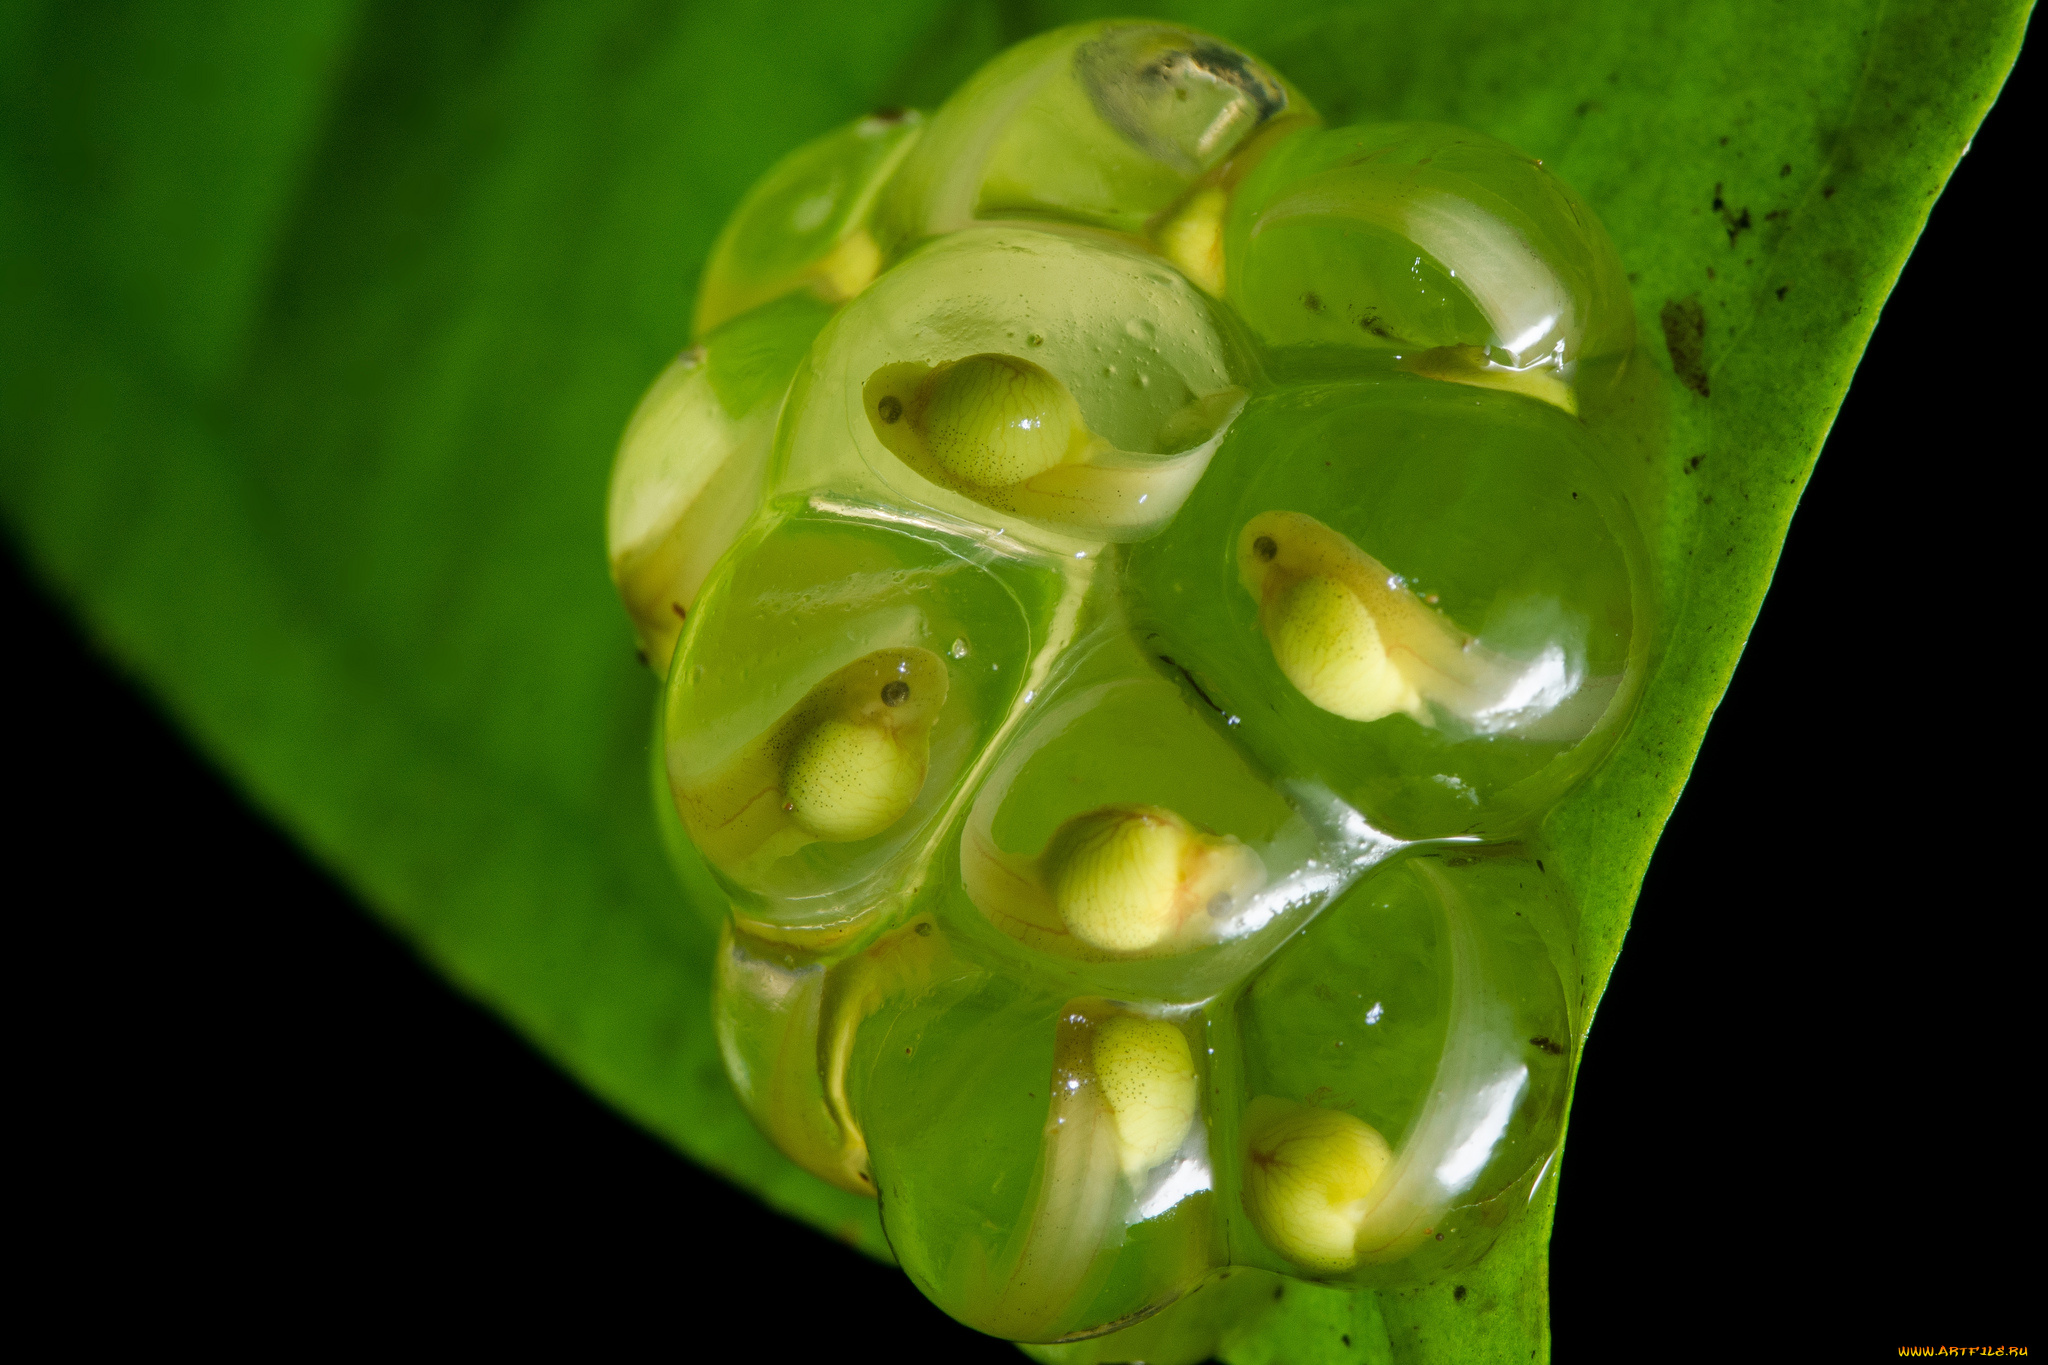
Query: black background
[[1802, 1110]]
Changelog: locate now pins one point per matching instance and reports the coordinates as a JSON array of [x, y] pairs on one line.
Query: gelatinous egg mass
[[1132, 570]]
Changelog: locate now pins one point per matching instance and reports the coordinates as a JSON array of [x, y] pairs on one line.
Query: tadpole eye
[[1265, 548], [891, 408], [895, 693]]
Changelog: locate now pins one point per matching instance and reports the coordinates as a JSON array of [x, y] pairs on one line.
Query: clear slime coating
[[1132, 569]]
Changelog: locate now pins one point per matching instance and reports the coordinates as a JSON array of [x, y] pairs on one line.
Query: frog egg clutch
[[1131, 569]]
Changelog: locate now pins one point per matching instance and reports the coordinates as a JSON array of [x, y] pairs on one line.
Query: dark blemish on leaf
[[1459, 1292], [1312, 301], [1781, 292], [640, 654], [890, 408], [1632, 275], [1717, 191], [1543, 1044], [1784, 170], [1539, 864], [678, 609], [1773, 215], [895, 693], [1346, 1338], [1277, 1291], [1170, 663], [1586, 107], [1737, 225], [1685, 337], [1265, 547], [889, 115], [1710, 272], [1439, 1236], [1724, 142], [924, 929], [1693, 463]]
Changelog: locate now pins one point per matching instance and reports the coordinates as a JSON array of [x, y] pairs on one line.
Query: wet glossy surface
[[1179, 581]]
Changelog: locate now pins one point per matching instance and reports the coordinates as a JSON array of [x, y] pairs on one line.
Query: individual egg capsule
[[764, 1011], [1424, 598], [786, 1021], [1116, 881], [1106, 124], [690, 467], [1079, 388], [1410, 1057], [1359, 644], [1450, 252], [804, 224], [1309, 1179], [1123, 1101], [1004, 431], [843, 764]]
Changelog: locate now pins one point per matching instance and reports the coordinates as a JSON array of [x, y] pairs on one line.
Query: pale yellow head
[[1146, 1074], [983, 423], [856, 751], [1339, 630], [1309, 1179], [1128, 878]]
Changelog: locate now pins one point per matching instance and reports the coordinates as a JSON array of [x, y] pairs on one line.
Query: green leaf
[[321, 321]]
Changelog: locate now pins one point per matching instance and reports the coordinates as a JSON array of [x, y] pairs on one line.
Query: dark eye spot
[[895, 693], [1265, 548], [891, 408]]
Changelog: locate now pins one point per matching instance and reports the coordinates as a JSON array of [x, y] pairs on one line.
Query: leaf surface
[[320, 322]]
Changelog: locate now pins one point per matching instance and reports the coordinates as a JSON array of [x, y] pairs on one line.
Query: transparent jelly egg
[[804, 225], [1045, 385], [1042, 1160], [689, 470], [1443, 248], [1421, 597], [1121, 840], [1107, 124], [817, 732], [1406, 1063]]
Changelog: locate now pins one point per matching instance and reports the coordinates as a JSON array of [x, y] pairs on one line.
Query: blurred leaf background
[[321, 320]]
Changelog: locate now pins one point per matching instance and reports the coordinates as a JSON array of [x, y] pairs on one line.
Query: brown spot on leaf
[[1685, 336]]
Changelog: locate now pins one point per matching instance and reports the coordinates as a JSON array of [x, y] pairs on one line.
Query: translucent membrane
[[689, 471], [820, 719], [1406, 1067], [804, 225], [1418, 596], [1060, 389], [1103, 124], [1168, 878], [1452, 251], [1043, 1162]]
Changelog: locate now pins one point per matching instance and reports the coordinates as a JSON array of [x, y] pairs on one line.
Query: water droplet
[[959, 649]]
